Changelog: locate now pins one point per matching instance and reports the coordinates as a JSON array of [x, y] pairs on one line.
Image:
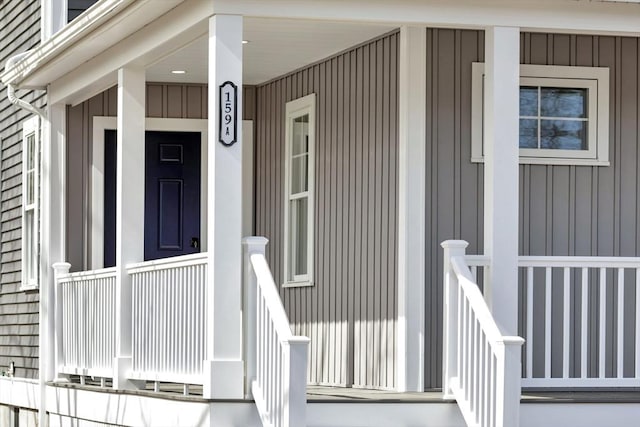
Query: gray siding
[[19, 31], [453, 184], [350, 312], [581, 210], [564, 210], [188, 101]]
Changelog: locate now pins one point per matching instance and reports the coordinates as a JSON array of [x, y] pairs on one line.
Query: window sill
[[553, 161], [302, 284], [29, 288]]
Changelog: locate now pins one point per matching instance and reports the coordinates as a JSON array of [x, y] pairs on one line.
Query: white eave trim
[[66, 37]]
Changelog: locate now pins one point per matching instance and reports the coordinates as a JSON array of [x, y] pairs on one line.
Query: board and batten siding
[[19, 32], [164, 100], [350, 311], [564, 210]]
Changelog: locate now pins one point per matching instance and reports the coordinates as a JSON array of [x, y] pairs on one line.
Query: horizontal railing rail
[[280, 358], [168, 319], [581, 321], [86, 312], [481, 366]]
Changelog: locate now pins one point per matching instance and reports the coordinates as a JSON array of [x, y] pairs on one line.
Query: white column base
[[223, 379], [121, 369]]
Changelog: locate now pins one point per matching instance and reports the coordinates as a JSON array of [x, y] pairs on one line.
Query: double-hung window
[[299, 185], [30, 202], [563, 115]]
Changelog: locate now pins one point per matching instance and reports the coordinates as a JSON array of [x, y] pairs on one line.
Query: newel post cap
[[454, 244], [61, 267]]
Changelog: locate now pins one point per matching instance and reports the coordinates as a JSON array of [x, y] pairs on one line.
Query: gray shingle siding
[[19, 31]]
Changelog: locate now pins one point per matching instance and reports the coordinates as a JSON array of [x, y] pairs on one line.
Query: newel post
[[452, 248], [508, 388], [250, 246], [295, 354], [60, 269]]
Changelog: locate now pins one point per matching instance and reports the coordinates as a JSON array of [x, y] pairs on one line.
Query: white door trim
[[100, 124]]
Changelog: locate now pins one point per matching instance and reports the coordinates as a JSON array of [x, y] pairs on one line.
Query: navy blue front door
[[172, 194]]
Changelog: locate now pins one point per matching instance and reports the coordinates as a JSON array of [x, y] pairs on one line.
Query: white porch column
[[52, 223], [130, 178], [501, 115], [411, 225], [224, 367], [52, 239]]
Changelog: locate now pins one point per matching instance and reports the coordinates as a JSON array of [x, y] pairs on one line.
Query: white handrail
[[276, 359], [168, 319], [583, 301], [85, 321], [481, 366]]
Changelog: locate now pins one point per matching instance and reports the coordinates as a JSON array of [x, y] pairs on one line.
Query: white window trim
[[30, 127], [595, 79], [297, 108]]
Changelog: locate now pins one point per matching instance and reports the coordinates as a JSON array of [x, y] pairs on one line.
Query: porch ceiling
[[275, 47]]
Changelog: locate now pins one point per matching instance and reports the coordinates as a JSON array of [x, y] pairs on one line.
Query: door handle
[[195, 242]]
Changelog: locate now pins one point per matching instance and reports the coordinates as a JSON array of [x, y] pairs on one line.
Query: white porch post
[[501, 106], [411, 226], [52, 224], [129, 208], [224, 367], [52, 239]]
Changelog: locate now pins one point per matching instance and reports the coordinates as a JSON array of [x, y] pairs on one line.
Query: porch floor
[[326, 394], [342, 394]]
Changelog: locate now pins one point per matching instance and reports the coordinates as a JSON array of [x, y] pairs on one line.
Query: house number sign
[[228, 129]]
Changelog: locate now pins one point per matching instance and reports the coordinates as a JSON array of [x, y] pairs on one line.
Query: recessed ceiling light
[[178, 72], [245, 41]]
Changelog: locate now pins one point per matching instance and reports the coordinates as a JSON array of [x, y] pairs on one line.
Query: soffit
[[275, 47]]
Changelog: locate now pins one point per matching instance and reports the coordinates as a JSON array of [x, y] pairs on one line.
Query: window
[[564, 115], [299, 173], [30, 201]]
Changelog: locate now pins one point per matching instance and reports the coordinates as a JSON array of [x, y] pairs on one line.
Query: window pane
[[31, 144], [29, 262], [30, 188], [529, 101], [528, 133], [298, 235], [299, 174], [300, 134], [563, 134], [563, 102]]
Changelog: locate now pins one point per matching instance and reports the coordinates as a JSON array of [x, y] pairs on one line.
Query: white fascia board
[[104, 25], [565, 16], [66, 37], [168, 33]]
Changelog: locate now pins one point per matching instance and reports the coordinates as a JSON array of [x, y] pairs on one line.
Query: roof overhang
[[98, 29]]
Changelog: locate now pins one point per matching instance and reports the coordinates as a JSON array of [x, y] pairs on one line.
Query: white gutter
[[11, 90]]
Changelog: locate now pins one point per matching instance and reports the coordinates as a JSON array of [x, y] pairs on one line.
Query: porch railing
[[481, 366], [168, 318], [279, 357], [582, 321], [86, 313]]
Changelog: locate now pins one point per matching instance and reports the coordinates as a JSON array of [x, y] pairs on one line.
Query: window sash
[[30, 203], [299, 188]]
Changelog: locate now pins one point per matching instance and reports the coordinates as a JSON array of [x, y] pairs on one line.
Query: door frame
[[100, 124]]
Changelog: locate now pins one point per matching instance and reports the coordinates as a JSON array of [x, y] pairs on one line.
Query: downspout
[[11, 90], [21, 103]]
